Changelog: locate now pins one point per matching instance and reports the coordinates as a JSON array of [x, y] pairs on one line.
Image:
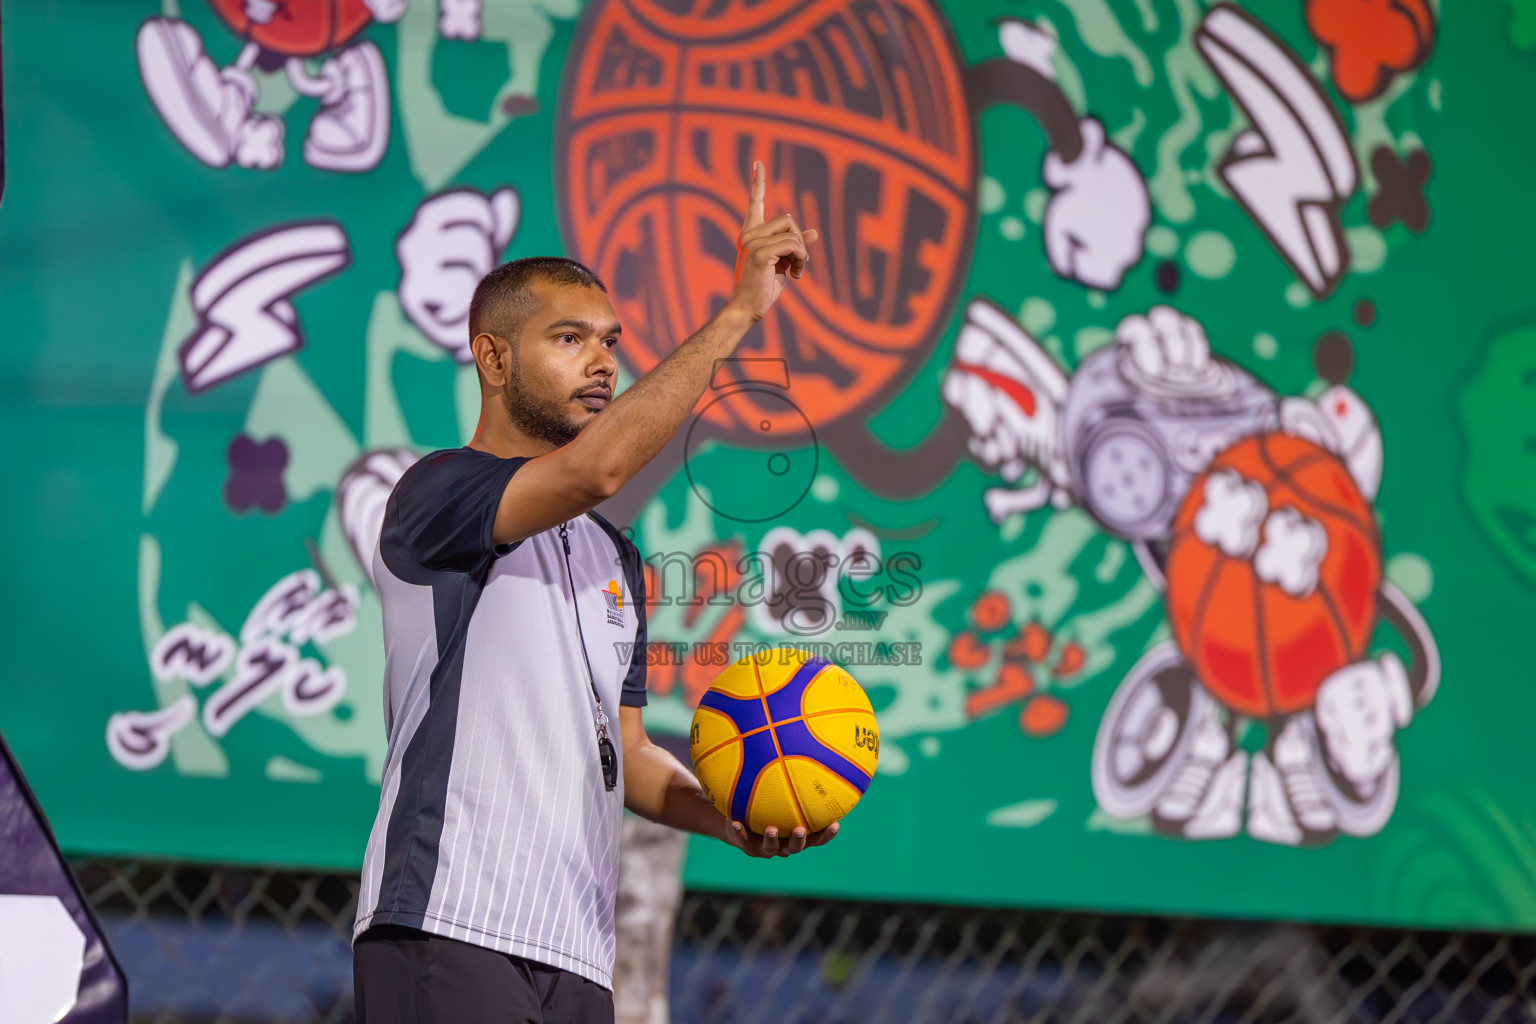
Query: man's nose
[[603, 364]]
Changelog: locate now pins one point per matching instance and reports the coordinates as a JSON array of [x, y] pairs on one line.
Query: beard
[[545, 419]]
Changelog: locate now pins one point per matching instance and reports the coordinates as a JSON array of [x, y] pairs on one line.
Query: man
[[488, 884]]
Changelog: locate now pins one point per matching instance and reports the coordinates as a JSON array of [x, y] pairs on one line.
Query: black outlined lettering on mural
[[1094, 223], [1294, 169], [261, 670], [141, 739], [188, 651], [270, 666], [284, 603], [296, 610], [309, 688], [241, 299], [331, 614]]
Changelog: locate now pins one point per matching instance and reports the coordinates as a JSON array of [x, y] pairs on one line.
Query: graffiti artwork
[[1150, 436]]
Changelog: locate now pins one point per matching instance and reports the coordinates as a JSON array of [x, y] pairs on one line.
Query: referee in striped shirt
[[490, 875]]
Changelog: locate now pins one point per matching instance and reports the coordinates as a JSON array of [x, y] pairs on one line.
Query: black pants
[[404, 976]]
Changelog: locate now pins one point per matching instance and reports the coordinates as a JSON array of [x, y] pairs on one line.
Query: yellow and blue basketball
[[784, 738]]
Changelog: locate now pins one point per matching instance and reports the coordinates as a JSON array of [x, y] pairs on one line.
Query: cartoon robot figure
[[211, 110], [1253, 515]]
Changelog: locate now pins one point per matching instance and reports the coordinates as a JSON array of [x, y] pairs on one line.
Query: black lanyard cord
[[605, 752]]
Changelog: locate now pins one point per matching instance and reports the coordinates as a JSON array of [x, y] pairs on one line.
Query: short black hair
[[503, 299]]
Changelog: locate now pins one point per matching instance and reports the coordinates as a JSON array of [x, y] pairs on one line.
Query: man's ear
[[493, 357]]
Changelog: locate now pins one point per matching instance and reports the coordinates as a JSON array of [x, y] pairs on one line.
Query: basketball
[[858, 112], [784, 738], [1272, 574], [304, 28]]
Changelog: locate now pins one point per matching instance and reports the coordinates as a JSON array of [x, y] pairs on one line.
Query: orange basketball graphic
[[1273, 572], [858, 111], [301, 28]]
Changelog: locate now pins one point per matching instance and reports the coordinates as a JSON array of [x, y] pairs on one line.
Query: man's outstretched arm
[[658, 787], [637, 425]]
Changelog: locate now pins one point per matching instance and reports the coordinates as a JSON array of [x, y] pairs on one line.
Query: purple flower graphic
[[256, 474]]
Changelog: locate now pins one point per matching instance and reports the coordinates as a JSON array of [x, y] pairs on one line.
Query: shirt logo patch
[[615, 601]]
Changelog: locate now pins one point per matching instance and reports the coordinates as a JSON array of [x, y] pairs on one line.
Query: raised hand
[[767, 251]]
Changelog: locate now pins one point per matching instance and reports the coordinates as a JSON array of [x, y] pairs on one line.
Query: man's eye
[[610, 342], [571, 336]]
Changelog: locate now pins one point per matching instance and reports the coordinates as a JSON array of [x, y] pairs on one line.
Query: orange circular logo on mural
[[1273, 573], [858, 111]]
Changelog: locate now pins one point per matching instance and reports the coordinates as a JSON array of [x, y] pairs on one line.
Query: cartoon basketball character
[[211, 110], [1274, 592], [866, 117], [1254, 514]]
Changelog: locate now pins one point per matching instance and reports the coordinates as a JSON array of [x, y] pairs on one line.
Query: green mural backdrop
[[1158, 416]]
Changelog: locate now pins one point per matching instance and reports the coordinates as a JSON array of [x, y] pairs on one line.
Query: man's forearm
[[639, 423], [658, 787]]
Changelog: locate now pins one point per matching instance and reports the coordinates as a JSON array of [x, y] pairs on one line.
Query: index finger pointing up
[[759, 190]]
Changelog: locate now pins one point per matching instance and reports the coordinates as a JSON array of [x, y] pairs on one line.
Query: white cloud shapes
[[1229, 517]]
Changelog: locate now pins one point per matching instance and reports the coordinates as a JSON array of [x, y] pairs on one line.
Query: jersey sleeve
[[442, 513], [633, 694]]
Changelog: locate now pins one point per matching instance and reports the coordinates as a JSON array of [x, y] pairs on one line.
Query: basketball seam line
[[1197, 615], [753, 732], [730, 791], [831, 775], [1284, 476], [1268, 686], [751, 793], [1338, 622], [1307, 460], [789, 783]]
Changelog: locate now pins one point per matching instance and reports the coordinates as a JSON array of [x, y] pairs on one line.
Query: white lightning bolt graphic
[[1294, 169], [241, 299]]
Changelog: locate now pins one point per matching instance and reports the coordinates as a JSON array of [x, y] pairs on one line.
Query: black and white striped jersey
[[494, 826]]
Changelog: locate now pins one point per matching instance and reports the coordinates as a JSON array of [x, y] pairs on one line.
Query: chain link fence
[[230, 946]]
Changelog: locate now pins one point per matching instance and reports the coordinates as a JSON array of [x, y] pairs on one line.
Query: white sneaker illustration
[[208, 109], [1289, 802], [350, 131], [1205, 798]]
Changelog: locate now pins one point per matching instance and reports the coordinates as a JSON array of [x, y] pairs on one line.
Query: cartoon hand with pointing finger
[[454, 239]]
